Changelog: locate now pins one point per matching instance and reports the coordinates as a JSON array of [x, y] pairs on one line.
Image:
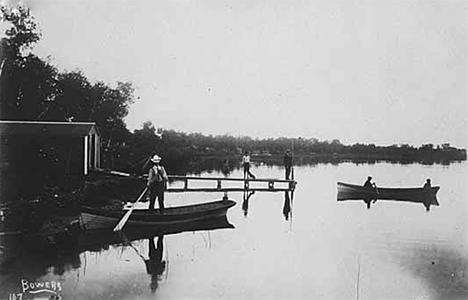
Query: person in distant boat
[[155, 266], [287, 161], [427, 185], [372, 185], [368, 182], [427, 199], [246, 164], [157, 179]]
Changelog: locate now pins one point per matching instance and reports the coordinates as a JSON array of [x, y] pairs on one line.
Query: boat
[[426, 196], [92, 218]]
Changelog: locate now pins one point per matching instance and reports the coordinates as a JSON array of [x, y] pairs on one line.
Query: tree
[[26, 81], [23, 33]]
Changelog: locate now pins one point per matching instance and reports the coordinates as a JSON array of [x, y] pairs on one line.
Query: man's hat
[[156, 158]]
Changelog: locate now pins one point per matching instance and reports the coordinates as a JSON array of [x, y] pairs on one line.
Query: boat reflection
[[33, 256]]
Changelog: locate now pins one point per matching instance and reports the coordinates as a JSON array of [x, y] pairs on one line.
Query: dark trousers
[[157, 190], [288, 171], [247, 171]]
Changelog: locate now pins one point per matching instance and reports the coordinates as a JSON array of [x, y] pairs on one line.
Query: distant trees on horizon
[[178, 148]]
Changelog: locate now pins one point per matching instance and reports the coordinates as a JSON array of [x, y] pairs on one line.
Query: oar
[[377, 192], [125, 218]]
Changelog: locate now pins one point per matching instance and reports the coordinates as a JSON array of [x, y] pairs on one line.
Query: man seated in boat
[[427, 189], [370, 184], [427, 185], [157, 178]]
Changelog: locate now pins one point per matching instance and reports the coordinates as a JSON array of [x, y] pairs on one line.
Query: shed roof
[[56, 129]]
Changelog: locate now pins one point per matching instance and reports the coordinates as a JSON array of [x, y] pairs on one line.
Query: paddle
[[376, 191], [125, 218]]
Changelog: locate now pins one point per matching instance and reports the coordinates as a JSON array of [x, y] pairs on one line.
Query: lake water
[[324, 249]]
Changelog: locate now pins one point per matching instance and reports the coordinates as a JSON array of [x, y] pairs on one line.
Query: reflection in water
[[287, 205], [245, 203], [33, 257], [155, 266]]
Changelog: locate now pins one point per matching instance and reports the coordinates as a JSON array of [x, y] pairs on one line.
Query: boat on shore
[[426, 196], [92, 218]]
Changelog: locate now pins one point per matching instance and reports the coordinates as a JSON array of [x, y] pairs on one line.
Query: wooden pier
[[269, 184]]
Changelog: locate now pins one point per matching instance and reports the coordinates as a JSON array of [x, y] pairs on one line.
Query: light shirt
[[157, 174], [246, 159]]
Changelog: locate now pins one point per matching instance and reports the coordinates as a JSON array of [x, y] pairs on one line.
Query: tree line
[[31, 88], [196, 148]]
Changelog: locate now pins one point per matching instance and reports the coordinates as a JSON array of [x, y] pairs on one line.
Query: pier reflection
[[287, 212], [245, 202]]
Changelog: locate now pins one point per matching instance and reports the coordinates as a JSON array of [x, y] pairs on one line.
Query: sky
[[382, 72]]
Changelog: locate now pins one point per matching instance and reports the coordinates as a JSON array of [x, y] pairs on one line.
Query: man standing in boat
[[157, 178], [287, 161]]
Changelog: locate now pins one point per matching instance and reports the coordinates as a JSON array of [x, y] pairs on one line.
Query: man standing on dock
[[287, 161], [157, 178]]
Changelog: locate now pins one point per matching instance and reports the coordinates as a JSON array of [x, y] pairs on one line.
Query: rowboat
[[427, 196], [92, 218]]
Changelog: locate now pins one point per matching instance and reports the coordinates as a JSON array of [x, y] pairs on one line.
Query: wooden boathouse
[[36, 152]]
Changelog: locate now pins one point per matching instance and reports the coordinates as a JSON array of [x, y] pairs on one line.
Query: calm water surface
[[323, 250]]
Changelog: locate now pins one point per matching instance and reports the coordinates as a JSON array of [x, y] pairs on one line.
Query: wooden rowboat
[[92, 218], [426, 196]]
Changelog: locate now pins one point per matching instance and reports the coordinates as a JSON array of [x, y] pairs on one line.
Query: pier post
[[271, 185]]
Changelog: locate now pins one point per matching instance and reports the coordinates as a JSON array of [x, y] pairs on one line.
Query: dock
[[217, 184]]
